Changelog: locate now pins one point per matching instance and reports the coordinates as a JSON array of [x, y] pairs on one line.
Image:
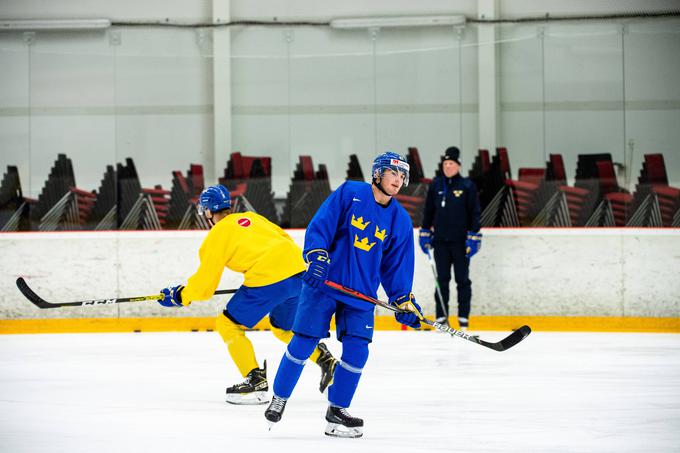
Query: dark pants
[[447, 254]]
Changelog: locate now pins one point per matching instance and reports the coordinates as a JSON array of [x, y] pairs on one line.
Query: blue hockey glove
[[473, 244], [425, 240], [172, 296], [317, 272], [408, 302]]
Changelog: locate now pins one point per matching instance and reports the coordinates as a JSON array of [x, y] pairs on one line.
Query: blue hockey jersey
[[369, 244]]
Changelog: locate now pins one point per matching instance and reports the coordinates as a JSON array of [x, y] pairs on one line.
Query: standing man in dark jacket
[[452, 211]]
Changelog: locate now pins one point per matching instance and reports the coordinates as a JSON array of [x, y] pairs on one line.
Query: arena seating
[[307, 190], [524, 191], [412, 197], [657, 203], [59, 180], [573, 197], [354, 172], [479, 173], [182, 212], [538, 197], [615, 199], [495, 194], [255, 173], [13, 207], [104, 211], [139, 208]]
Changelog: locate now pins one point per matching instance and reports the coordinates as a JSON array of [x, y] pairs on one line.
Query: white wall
[[100, 97], [561, 272], [147, 93], [563, 89], [333, 93], [329, 94]]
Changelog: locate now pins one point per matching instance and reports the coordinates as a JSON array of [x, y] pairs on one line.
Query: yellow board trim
[[477, 323]]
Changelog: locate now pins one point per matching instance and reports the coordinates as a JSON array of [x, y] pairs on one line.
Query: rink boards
[[553, 279], [383, 322]]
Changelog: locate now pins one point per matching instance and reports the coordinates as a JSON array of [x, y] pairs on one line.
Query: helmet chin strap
[[378, 184]]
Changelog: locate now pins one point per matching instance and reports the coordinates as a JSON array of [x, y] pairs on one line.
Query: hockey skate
[[327, 363], [274, 412], [251, 391], [341, 424]]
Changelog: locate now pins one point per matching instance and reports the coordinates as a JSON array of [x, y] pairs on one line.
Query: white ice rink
[[421, 391]]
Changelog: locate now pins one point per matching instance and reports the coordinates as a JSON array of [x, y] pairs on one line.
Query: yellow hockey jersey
[[247, 243]]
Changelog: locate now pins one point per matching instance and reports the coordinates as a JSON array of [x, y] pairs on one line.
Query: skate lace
[[251, 378], [324, 361], [277, 404], [344, 412]]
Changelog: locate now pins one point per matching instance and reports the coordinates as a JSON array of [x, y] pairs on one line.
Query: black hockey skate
[[327, 363], [274, 412], [251, 391], [341, 424]]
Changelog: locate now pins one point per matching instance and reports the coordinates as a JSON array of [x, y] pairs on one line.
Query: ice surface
[[421, 391]]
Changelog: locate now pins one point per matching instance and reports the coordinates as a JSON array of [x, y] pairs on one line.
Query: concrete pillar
[[489, 96], [221, 71]]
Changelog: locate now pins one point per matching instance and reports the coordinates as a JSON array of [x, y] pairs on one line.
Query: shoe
[[327, 363], [444, 321], [341, 424], [251, 391], [274, 412], [463, 323]]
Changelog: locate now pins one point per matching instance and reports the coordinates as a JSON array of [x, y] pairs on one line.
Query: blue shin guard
[[348, 371], [298, 351]]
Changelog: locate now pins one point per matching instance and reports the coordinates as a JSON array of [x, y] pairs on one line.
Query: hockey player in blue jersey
[[360, 238]]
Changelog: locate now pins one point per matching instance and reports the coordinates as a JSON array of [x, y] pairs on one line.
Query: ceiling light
[[398, 21], [61, 24]]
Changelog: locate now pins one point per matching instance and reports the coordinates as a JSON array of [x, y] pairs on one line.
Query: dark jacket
[[460, 212]]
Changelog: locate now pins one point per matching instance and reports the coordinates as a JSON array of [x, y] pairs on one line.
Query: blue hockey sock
[[292, 363], [348, 372]]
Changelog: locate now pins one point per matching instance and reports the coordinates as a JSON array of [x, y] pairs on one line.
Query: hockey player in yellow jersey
[[272, 265]]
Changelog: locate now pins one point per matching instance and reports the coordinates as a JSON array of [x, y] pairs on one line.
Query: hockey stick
[[42, 303], [436, 283], [503, 345]]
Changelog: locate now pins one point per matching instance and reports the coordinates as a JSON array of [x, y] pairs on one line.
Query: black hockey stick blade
[[503, 345], [42, 303], [509, 341]]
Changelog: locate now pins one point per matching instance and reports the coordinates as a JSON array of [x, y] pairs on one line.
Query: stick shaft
[[503, 345], [380, 303], [433, 266], [42, 303]]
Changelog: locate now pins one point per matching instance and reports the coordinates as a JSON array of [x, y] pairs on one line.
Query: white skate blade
[[338, 430], [248, 398]]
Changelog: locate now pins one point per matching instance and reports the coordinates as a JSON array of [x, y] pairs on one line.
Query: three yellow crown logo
[[359, 223], [458, 193], [363, 244]]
